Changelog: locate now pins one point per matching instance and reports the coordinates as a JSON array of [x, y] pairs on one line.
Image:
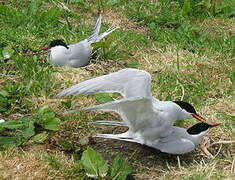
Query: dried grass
[[117, 19], [23, 165]]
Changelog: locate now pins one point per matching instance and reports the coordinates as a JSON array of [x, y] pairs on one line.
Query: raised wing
[[128, 82]]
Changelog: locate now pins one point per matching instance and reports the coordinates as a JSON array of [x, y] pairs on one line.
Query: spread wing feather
[[128, 82], [138, 113]]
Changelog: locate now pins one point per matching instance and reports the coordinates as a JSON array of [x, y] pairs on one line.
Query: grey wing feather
[[96, 30], [136, 112], [129, 82]]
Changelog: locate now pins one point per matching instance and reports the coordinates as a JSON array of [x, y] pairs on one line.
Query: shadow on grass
[[140, 155]]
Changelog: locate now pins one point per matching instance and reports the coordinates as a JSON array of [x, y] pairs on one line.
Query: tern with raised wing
[[78, 54], [150, 121]]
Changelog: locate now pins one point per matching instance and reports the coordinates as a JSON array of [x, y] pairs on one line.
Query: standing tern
[[150, 121], [78, 54]]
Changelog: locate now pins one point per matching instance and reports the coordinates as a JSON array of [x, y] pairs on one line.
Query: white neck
[[196, 138], [183, 114]]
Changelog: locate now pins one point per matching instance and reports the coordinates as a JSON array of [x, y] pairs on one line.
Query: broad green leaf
[[28, 131], [12, 124], [44, 109], [8, 141], [51, 123], [49, 114], [133, 64], [103, 98], [40, 138], [94, 164], [26, 120], [46, 112], [228, 11], [120, 168], [7, 52]]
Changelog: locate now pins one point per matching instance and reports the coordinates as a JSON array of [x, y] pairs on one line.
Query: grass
[[188, 51]]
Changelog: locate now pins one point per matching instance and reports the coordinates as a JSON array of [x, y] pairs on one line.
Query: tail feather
[[106, 33], [96, 30], [112, 123], [95, 37]]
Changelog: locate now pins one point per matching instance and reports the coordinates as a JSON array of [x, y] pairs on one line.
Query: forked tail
[[95, 36]]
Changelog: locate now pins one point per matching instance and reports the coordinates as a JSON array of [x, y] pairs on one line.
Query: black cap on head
[[198, 128], [58, 42], [184, 105]]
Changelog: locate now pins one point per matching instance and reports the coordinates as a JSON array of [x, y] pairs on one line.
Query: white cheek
[[186, 114]]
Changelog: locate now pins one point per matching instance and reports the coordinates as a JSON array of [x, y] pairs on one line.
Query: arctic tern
[[78, 54], [150, 121]]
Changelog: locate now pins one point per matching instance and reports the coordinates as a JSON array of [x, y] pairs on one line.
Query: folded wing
[[178, 146]]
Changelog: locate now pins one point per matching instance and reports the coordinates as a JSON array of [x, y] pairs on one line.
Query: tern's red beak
[[46, 48], [198, 117], [214, 125]]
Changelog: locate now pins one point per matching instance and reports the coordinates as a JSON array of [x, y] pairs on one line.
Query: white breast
[[77, 55], [59, 56]]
